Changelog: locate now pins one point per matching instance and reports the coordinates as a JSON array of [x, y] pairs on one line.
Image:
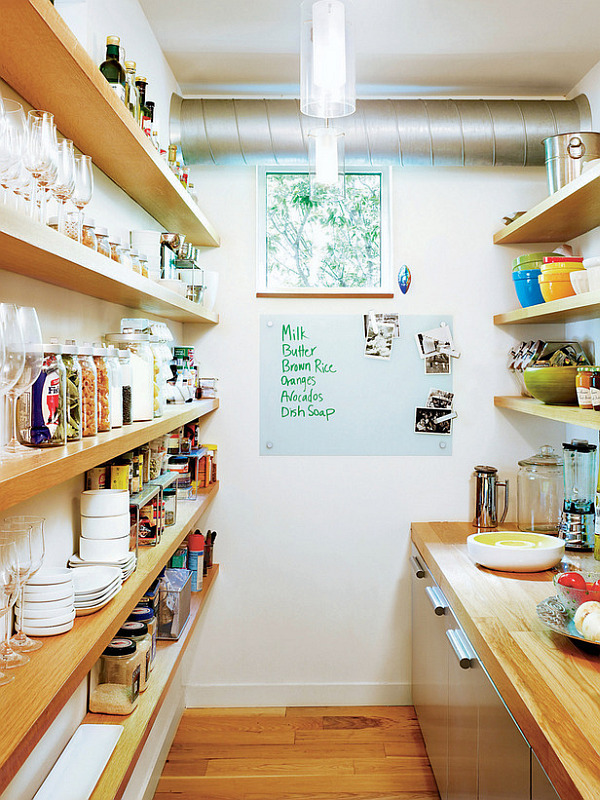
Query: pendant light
[[326, 162]]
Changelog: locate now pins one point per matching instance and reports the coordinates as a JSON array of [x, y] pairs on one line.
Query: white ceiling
[[413, 48]]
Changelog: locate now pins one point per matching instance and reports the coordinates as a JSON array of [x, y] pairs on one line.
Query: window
[[328, 246]]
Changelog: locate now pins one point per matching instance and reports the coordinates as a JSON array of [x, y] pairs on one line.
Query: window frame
[[384, 291]]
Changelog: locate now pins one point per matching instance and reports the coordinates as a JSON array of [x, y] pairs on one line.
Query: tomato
[[573, 580], [595, 587]]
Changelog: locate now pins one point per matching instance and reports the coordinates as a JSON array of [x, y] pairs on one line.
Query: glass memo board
[[358, 406]]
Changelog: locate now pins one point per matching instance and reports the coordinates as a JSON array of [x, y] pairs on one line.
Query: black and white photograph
[[388, 319], [435, 341], [439, 364], [379, 340], [427, 420], [439, 399]]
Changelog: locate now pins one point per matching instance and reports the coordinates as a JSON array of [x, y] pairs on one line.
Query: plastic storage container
[[142, 373], [137, 631], [73, 378], [147, 615], [42, 420], [103, 388], [89, 391], [118, 685], [103, 244]]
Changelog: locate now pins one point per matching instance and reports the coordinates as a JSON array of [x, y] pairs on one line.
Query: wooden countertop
[[550, 684]]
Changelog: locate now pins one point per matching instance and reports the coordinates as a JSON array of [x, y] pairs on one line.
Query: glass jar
[[146, 614], [540, 492], [89, 399], [137, 631], [143, 264], [41, 410], [102, 241], [116, 389], [115, 248], [142, 372], [159, 381], [595, 387], [88, 233], [118, 686], [135, 261], [72, 225], [102, 388], [73, 377], [125, 367], [582, 382], [126, 259], [170, 498]]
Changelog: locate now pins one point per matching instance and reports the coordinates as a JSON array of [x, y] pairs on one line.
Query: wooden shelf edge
[[27, 719], [568, 309], [42, 469], [569, 415], [139, 724]]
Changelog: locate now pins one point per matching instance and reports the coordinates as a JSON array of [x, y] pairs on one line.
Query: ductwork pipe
[[444, 133]]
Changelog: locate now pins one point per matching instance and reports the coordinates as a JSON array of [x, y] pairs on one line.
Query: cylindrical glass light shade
[[327, 82], [326, 162]]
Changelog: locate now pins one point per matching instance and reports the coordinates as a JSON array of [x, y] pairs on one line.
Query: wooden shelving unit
[[137, 727], [568, 309], [40, 689], [39, 470], [45, 63], [35, 250], [571, 415], [571, 211]]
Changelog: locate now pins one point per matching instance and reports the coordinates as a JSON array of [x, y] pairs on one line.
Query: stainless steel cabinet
[[541, 788], [464, 688]]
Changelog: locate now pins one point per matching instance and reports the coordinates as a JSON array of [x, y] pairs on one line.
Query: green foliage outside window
[[327, 242]]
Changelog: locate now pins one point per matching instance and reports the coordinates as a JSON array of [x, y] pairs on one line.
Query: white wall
[[312, 604]]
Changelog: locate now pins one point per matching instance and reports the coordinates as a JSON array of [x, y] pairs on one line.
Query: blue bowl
[[527, 287]]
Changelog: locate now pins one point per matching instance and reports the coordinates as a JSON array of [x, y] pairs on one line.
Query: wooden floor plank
[[404, 766], [403, 712], [278, 795], [354, 736], [246, 724], [231, 767], [266, 711], [198, 788], [413, 747], [182, 753]]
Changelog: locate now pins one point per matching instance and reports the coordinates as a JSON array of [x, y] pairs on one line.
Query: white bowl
[[93, 579], [49, 622], [54, 631], [103, 550], [92, 597], [515, 551], [580, 281], [47, 605], [104, 502], [106, 527], [41, 593], [33, 611], [50, 577]]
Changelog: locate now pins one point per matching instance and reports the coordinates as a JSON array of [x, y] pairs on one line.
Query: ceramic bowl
[[552, 385], [554, 287], [515, 551], [580, 281], [104, 502], [594, 278], [571, 597], [527, 287]]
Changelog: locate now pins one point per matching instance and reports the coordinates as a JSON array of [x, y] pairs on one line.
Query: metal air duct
[[445, 133]]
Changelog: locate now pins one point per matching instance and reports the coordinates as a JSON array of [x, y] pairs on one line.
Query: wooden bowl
[[552, 385]]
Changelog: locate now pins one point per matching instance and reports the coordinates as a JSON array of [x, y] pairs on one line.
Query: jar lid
[[53, 347], [101, 231], [169, 491], [98, 349], [70, 347], [545, 458], [89, 222], [486, 470], [552, 259], [133, 628], [86, 349], [120, 647], [116, 240], [127, 337], [142, 614], [178, 460], [579, 446], [113, 352]]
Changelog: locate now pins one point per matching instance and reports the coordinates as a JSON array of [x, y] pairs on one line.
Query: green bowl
[[552, 385]]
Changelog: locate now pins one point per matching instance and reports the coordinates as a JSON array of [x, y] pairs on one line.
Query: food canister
[[540, 492], [566, 154], [41, 414], [583, 384], [89, 400], [102, 387], [118, 685], [73, 378], [138, 632], [142, 372]]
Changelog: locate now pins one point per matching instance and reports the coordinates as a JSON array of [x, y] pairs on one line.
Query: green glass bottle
[[112, 69], [141, 84]]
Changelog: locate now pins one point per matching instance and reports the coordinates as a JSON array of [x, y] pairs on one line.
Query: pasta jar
[[146, 614], [73, 378], [88, 233], [102, 241], [126, 259], [118, 686], [102, 388], [143, 264], [125, 367], [116, 389], [135, 261], [142, 372], [115, 248], [582, 382], [89, 399], [137, 631], [595, 387], [42, 408]]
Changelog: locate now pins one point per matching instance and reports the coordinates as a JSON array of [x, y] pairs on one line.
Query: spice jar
[[125, 367], [102, 241], [582, 382], [116, 390], [42, 408], [170, 499], [73, 378], [142, 372], [115, 248], [89, 400], [147, 615], [88, 233], [118, 686], [102, 388], [137, 631]]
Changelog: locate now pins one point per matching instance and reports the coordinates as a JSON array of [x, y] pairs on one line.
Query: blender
[[579, 471]]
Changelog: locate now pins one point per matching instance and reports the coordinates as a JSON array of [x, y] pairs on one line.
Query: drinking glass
[[15, 559], [45, 183], [63, 186], [39, 149], [84, 186], [12, 142], [20, 642], [33, 353], [12, 339]]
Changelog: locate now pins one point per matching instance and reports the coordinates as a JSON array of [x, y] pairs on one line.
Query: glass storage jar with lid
[[116, 388], [125, 370], [115, 248], [142, 371], [89, 399], [147, 615], [102, 241], [118, 686], [73, 377], [41, 410], [135, 261], [540, 492], [137, 631], [88, 233], [102, 387], [170, 500]]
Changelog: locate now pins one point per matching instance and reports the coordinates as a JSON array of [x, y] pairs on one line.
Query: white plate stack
[[126, 565], [105, 526], [95, 586], [48, 603]]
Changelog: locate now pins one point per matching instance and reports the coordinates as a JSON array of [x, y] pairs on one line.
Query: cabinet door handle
[[420, 571], [462, 648], [437, 600]]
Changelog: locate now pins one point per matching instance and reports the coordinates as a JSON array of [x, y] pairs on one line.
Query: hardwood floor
[[321, 753]]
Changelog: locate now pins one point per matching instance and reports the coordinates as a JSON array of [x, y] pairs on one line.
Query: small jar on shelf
[[118, 679], [89, 391], [115, 248], [125, 369], [137, 631], [88, 236], [103, 388], [73, 378], [582, 382], [102, 240]]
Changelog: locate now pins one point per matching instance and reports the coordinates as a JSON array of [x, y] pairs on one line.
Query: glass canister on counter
[[73, 377], [125, 368], [142, 372], [118, 679], [540, 492], [89, 391], [42, 409], [116, 388], [102, 388]]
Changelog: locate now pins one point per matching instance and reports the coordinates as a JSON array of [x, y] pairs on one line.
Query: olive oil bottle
[[112, 69]]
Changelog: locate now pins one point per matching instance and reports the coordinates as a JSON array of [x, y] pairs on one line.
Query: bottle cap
[[195, 542], [100, 231], [113, 40], [141, 614], [120, 647], [130, 65], [133, 628], [140, 79]]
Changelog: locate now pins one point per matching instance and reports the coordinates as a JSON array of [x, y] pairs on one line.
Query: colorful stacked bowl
[[525, 273], [555, 280]]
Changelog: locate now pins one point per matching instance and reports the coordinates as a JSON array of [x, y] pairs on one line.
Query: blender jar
[[540, 492]]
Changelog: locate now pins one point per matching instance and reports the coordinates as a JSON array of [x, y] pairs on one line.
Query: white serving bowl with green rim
[[515, 551]]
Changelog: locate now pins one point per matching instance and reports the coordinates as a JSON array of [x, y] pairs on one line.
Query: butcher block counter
[[550, 684]]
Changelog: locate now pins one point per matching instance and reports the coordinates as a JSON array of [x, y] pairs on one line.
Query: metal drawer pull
[[437, 600], [419, 570], [462, 648]]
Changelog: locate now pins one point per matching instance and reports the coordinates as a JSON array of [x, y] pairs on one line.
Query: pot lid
[[545, 458]]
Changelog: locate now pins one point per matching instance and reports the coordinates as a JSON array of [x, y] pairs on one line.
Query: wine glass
[[20, 642], [33, 351], [39, 149], [15, 561], [63, 186], [12, 140], [84, 186], [12, 339]]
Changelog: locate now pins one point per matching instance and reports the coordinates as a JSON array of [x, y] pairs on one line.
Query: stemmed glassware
[[13, 127], [84, 186], [40, 149], [63, 186], [33, 352], [9, 582], [11, 337], [20, 642], [15, 561]]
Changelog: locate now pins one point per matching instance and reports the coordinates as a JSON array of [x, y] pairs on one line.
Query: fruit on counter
[[575, 580], [587, 620]]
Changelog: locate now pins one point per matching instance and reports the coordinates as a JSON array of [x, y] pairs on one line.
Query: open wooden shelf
[[567, 309], [571, 415], [571, 211], [40, 689], [45, 63], [138, 725], [37, 251], [41, 469]]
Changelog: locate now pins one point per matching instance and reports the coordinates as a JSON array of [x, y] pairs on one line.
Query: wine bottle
[[141, 84], [112, 69]]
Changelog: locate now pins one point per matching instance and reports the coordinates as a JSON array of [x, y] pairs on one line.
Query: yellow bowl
[[553, 289], [552, 385], [550, 269]]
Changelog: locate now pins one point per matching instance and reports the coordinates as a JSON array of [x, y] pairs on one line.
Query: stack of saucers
[[95, 586], [48, 603], [126, 565]]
